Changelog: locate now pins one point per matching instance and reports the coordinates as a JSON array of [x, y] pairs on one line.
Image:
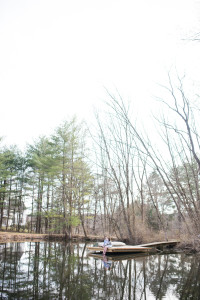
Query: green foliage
[[53, 179], [12, 186], [74, 221]]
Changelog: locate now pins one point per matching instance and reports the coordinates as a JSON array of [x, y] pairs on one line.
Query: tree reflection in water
[[40, 270]]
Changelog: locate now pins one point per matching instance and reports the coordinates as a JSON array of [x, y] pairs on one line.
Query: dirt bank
[[15, 236], [189, 246]]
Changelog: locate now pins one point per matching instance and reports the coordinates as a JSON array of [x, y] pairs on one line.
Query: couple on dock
[[106, 244]]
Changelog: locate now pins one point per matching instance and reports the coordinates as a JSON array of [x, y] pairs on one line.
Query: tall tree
[[74, 175]]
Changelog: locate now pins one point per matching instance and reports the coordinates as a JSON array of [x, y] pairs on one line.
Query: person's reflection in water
[[106, 262]]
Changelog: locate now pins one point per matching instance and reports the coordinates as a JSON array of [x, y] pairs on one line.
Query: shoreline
[[187, 247], [20, 236]]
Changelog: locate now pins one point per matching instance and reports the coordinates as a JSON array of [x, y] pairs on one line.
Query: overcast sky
[[56, 57]]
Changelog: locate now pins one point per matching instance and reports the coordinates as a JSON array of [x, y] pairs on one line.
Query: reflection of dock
[[134, 249], [118, 257]]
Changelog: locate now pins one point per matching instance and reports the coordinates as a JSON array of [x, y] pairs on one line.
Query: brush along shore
[[188, 246]]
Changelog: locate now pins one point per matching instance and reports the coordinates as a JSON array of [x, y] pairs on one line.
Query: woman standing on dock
[[106, 244]]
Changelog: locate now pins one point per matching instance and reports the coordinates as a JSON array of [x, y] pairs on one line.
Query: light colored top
[[107, 243], [114, 244]]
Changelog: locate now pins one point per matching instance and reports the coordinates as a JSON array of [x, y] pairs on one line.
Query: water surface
[[41, 270]]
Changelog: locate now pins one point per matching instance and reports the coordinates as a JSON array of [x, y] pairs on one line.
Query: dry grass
[[189, 243], [17, 236]]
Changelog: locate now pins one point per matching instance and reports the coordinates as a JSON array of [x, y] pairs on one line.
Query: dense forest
[[112, 179]]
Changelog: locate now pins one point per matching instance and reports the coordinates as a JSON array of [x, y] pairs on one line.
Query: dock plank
[[120, 249], [165, 243]]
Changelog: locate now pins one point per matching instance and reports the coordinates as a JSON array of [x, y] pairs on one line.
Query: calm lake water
[[41, 270]]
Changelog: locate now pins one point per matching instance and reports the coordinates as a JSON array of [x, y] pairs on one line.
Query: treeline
[[126, 184], [52, 182]]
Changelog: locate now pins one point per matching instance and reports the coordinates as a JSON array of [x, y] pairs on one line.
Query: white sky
[[57, 56]]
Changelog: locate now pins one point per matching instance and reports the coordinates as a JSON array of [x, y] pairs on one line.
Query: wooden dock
[[135, 249], [159, 245], [120, 249]]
